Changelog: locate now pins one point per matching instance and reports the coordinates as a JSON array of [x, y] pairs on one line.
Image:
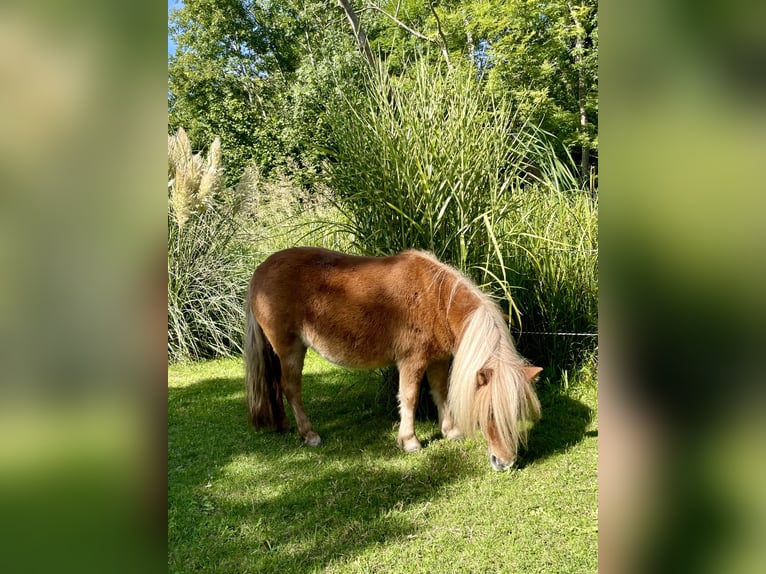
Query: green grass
[[241, 500]]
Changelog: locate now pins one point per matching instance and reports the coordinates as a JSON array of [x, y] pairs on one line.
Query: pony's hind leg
[[292, 369], [410, 374], [438, 374]]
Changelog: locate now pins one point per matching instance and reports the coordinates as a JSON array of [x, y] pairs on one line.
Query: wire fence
[[555, 333], [519, 332]]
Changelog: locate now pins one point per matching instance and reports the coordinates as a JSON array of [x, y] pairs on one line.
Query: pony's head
[[503, 423], [491, 386]]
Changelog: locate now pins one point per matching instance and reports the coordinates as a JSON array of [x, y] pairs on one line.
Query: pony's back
[[364, 312]]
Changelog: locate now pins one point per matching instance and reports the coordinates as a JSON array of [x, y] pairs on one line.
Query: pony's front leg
[[410, 374], [438, 373]]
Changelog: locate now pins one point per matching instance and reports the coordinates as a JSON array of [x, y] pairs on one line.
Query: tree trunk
[[581, 94], [443, 44], [361, 37], [585, 158]]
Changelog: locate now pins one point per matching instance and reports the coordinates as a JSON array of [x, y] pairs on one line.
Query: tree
[[261, 74], [543, 56], [256, 73]]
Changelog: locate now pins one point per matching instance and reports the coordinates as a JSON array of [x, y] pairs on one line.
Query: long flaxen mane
[[488, 381]]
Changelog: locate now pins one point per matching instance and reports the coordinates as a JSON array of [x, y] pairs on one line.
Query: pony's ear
[[532, 373], [483, 376]]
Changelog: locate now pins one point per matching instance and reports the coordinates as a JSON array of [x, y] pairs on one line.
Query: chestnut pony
[[368, 312]]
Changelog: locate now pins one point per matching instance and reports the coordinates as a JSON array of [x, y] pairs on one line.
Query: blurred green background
[[83, 110]]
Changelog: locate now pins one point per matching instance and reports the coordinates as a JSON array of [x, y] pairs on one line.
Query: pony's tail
[[262, 375]]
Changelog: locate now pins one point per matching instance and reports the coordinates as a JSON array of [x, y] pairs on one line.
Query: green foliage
[[223, 72], [529, 53], [264, 76], [259, 75]]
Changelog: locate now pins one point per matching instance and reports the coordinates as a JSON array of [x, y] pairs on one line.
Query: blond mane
[[488, 381]]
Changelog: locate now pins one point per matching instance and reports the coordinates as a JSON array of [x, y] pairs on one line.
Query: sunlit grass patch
[[241, 500]]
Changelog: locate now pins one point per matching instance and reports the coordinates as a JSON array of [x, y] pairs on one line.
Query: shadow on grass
[[563, 423], [561, 427], [242, 499]]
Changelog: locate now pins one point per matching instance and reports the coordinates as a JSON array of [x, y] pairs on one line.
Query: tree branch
[[445, 53], [361, 37], [401, 24], [442, 44]]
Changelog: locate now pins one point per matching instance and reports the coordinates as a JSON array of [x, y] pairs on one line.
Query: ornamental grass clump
[[432, 160], [208, 266]]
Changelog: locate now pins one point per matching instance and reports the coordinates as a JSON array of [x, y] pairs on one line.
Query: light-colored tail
[[262, 375]]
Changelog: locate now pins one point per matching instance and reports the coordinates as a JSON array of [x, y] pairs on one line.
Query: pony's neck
[[459, 302]]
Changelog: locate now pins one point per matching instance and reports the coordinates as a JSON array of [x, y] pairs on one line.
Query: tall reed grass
[[551, 254], [433, 162]]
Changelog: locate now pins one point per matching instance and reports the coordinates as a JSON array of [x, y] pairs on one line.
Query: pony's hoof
[[454, 434], [312, 439], [409, 445]]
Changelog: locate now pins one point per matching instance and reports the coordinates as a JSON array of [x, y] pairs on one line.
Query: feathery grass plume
[[211, 181], [184, 145], [179, 160], [188, 177], [193, 180], [172, 151]]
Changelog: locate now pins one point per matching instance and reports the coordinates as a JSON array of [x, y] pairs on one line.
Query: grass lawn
[[247, 501]]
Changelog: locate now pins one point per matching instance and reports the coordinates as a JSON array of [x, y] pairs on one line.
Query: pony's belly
[[355, 355]]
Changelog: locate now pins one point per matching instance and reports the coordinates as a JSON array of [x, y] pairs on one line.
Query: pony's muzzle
[[498, 464]]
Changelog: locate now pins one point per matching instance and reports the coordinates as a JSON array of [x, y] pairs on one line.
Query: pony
[[408, 310]]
